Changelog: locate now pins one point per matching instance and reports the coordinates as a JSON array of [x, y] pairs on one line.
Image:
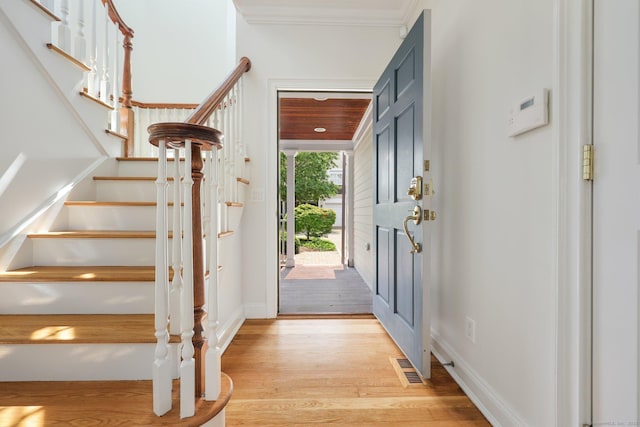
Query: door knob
[[416, 217]]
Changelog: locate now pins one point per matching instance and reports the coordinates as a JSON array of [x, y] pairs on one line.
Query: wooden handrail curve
[[117, 19], [127, 90], [209, 105]]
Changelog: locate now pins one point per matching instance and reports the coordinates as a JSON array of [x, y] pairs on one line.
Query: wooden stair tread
[[128, 178], [108, 403], [78, 329], [97, 101], [111, 204], [144, 159], [117, 134], [81, 274], [95, 234], [68, 57]]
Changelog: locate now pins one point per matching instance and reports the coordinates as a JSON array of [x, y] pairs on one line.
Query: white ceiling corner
[[328, 12]]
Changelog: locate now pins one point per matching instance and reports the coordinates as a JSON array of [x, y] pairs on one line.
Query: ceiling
[[317, 121]]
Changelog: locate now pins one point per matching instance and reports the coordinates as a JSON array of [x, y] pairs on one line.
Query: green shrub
[[317, 244], [314, 221], [283, 239]]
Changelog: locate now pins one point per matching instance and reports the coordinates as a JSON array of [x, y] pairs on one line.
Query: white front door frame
[[571, 116], [276, 85]]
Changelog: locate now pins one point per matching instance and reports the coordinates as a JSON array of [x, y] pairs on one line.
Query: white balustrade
[[215, 191], [98, 43]]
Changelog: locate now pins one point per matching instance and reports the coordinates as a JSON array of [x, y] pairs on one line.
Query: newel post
[[198, 265], [126, 111]]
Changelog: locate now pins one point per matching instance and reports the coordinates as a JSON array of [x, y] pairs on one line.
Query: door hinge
[[587, 162]]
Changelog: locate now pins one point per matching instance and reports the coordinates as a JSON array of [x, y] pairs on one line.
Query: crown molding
[[392, 13]]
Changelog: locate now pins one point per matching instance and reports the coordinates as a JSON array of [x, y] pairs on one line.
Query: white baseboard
[[228, 330], [256, 311], [497, 412]]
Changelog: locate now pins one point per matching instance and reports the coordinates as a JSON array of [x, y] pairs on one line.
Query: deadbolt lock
[[415, 188]]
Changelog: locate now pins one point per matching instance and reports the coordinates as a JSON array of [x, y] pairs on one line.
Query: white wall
[[363, 207], [494, 242], [181, 49], [292, 56], [45, 145]]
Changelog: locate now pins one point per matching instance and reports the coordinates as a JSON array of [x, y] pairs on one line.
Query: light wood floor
[[303, 372]]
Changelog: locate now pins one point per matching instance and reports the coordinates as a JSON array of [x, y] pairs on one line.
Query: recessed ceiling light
[[320, 130], [320, 99]]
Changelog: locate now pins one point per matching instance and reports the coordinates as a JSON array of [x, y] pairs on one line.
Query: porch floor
[[323, 289]]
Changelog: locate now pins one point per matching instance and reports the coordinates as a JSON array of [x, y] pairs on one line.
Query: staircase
[[84, 310], [77, 333]]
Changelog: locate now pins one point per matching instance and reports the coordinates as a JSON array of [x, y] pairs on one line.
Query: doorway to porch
[[313, 282]]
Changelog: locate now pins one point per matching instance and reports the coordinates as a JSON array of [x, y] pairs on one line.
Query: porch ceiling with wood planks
[[320, 121]]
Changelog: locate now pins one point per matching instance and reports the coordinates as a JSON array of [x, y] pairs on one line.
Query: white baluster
[[92, 76], [233, 151], [105, 79], [176, 284], [115, 114], [212, 357], [64, 31], [80, 41], [161, 364], [138, 130], [243, 153], [221, 170], [187, 367], [237, 160], [228, 148]]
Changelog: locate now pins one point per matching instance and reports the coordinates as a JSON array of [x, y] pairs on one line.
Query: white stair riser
[[132, 218], [144, 168], [77, 298], [80, 362], [128, 191], [78, 252]]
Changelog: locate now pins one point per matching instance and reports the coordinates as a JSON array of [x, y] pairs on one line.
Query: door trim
[[271, 172], [572, 101]]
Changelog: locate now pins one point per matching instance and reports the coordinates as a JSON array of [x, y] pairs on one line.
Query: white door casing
[[616, 213]]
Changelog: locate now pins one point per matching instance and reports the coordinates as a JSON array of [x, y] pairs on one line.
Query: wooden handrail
[[127, 32], [126, 111], [117, 19], [209, 105], [163, 105]]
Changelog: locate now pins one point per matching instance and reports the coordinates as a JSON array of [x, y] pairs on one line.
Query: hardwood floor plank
[[301, 372]]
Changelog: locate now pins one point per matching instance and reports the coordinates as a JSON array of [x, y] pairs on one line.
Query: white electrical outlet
[[470, 329]]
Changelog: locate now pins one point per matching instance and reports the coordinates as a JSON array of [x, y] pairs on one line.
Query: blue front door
[[399, 157]]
